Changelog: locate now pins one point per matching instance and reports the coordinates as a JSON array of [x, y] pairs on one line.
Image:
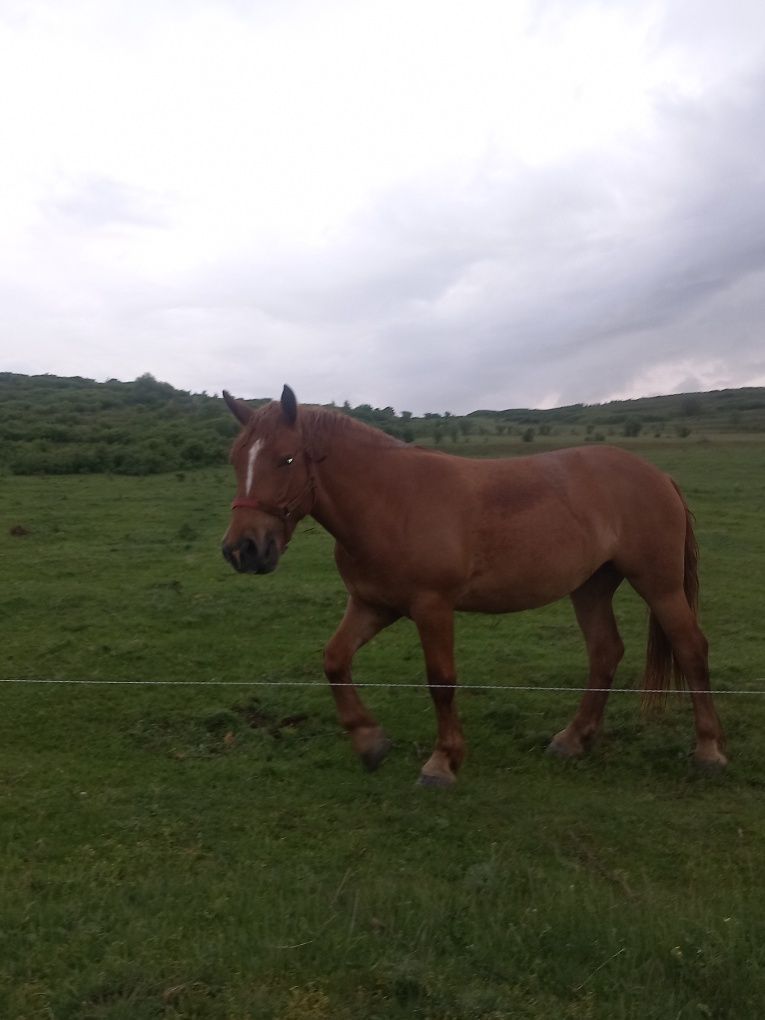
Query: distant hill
[[54, 425], [745, 405]]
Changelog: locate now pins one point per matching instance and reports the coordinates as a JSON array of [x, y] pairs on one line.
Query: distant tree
[[691, 406], [632, 427], [528, 435], [194, 453]]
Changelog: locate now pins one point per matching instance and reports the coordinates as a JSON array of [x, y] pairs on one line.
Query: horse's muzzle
[[247, 557]]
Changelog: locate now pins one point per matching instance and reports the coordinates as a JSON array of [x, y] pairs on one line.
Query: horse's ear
[[241, 411], [289, 405]]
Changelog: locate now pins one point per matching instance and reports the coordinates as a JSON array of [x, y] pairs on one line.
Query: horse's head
[[274, 483]]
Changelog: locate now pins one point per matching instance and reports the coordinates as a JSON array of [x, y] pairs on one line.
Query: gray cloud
[[629, 265], [571, 282]]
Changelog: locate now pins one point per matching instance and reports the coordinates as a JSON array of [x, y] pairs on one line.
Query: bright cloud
[[429, 204]]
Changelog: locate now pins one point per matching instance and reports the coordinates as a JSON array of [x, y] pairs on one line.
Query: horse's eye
[[286, 461]]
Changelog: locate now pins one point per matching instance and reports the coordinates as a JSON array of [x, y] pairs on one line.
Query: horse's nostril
[[235, 554], [244, 556], [247, 557]]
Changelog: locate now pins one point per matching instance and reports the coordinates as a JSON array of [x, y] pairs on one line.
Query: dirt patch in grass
[[214, 732], [259, 718]]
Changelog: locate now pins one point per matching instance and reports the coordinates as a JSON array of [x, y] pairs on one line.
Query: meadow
[[210, 851]]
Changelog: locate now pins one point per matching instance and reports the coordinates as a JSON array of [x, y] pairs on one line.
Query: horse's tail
[[661, 665]]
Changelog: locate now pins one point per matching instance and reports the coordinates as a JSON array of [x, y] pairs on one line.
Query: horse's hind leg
[[359, 625], [689, 645], [594, 612]]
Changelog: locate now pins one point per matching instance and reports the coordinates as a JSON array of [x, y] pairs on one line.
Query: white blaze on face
[[251, 457]]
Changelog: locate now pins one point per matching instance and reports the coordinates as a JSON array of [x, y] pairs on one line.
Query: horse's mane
[[321, 425]]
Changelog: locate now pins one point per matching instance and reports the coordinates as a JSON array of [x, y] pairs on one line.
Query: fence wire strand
[[522, 688]]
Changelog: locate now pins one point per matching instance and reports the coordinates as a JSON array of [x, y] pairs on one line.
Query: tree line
[[55, 425]]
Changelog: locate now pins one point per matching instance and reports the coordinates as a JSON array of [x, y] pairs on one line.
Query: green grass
[[216, 852]]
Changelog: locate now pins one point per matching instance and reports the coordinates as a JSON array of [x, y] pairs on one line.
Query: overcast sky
[[431, 204]]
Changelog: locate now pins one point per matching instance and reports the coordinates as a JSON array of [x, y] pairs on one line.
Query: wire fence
[[520, 688]]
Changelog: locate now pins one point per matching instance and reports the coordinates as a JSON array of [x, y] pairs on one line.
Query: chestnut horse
[[421, 534]]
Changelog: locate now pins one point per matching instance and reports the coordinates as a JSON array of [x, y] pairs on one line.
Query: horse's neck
[[350, 483]]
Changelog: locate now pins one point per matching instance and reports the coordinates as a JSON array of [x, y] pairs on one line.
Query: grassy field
[[216, 852]]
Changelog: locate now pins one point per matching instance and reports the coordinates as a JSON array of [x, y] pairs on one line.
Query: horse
[[422, 534]]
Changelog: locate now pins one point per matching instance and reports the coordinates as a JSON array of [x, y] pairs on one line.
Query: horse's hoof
[[558, 750], [436, 782], [375, 756], [711, 766]]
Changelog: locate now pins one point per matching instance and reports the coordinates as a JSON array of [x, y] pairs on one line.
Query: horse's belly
[[532, 574], [513, 594]]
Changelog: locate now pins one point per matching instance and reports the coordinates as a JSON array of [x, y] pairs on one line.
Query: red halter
[[283, 513], [252, 504]]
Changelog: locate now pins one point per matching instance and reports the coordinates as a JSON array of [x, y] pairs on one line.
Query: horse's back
[[544, 524]]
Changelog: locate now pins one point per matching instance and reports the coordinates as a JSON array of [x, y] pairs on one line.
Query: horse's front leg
[[359, 625], [436, 630]]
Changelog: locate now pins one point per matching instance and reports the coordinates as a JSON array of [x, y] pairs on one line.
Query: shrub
[[633, 427]]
